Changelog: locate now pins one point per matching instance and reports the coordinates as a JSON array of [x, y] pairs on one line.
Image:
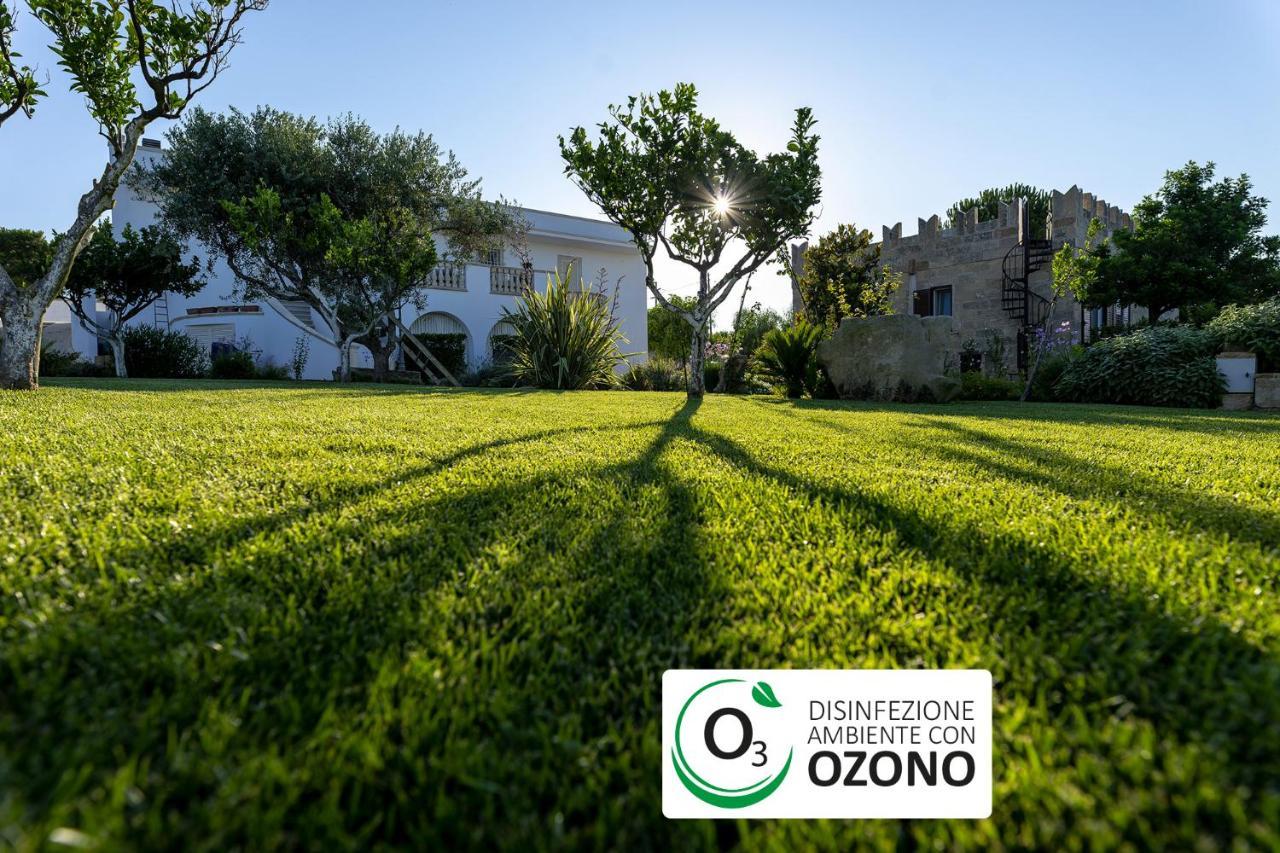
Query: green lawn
[[319, 617]]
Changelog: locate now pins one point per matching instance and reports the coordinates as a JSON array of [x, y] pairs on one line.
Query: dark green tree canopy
[[25, 254], [128, 274], [1197, 245], [335, 215], [843, 277], [1039, 205]]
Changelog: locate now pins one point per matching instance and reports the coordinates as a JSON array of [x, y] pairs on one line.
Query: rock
[[1266, 390], [899, 357]]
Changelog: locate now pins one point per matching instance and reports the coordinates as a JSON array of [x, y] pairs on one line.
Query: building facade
[[466, 298], [994, 276]]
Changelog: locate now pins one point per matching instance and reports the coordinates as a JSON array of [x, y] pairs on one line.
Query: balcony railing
[[448, 277], [512, 281]]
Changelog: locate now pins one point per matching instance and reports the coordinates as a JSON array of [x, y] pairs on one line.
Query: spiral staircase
[[1023, 305]]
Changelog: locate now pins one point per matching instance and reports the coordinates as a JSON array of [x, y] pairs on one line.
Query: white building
[[466, 299]]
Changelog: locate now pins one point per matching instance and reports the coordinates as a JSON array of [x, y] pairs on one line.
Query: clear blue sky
[[919, 103]]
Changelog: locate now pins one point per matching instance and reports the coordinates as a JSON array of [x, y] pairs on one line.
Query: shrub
[[301, 352], [789, 357], [1154, 366], [500, 348], [1252, 328], [55, 362], [449, 348], [564, 339], [975, 386], [236, 364], [711, 374], [151, 353], [268, 369], [491, 374], [1051, 368], [656, 374]]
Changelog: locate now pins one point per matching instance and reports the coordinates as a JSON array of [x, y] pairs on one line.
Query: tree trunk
[[344, 361], [381, 362], [1153, 314], [20, 347], [117, 354], [696, 357]]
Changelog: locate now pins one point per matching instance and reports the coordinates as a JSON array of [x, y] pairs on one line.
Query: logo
[[735, 716], [826, 743]]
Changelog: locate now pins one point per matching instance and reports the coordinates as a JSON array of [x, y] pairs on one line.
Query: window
[[207, 335], [570, 268], [931, 302], [490, 258]]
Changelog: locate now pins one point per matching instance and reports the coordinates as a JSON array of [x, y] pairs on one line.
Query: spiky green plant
[[565, 339], [789, 356]]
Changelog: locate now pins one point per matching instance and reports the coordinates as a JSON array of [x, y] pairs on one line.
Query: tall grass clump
[[565, 339]]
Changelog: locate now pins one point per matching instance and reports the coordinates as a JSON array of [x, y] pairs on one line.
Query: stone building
[[994, 277]]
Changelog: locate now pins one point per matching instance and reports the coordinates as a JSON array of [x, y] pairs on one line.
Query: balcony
[[448, 277]]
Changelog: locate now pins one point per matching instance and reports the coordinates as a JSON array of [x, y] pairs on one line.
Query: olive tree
[[175, 50], [333, 215], [675, 180]]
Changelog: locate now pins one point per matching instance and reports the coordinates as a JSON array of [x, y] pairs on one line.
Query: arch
[[441, 323], [500, 331]]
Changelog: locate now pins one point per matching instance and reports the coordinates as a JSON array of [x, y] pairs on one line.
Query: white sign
[[825, 743]]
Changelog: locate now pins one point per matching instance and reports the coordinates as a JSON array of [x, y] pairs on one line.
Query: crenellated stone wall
[[968, 257]]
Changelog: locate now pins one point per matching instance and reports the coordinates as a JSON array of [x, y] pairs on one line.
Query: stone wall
[[969, 256]]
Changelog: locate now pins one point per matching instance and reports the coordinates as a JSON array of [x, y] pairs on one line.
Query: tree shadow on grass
[[1086, 479], [1139, 649], [1214, 422], [1037, 464], [562, 620]]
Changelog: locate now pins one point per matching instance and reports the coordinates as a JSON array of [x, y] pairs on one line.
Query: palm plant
[[789, 356], [565, 339]]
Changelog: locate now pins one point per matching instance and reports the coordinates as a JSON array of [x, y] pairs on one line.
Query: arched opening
[[500, 338], [445, 336]]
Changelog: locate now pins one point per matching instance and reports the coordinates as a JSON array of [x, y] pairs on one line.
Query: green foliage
[[656, 374], [236, 364], [301, 353], [1052, 365], [751, 326], [152, 353], [564, 339], [1196, 244], [1251, 328], [129, 274], [19, 87], [24, 254], [449, 349], [1039, 205], [669, 333], [789, 357], [334, 215], [976, 386], [323, 608], [1153, 366], [55, 362], [673, 177], [843, 278]]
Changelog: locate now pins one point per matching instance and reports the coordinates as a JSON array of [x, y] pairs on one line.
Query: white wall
[[600, 245]]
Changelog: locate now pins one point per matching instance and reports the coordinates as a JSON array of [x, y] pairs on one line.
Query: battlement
[[1067, 211]]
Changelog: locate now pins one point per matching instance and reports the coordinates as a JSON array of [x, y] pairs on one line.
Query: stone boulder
[[898, 357]]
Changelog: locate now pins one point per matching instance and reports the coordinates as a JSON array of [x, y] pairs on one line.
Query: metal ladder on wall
[[161, 308]]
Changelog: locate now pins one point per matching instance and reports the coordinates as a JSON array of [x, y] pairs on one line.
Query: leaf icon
[[763, 694]]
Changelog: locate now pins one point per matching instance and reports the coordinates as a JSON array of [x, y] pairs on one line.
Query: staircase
[[162, 312], [1018, 300]]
